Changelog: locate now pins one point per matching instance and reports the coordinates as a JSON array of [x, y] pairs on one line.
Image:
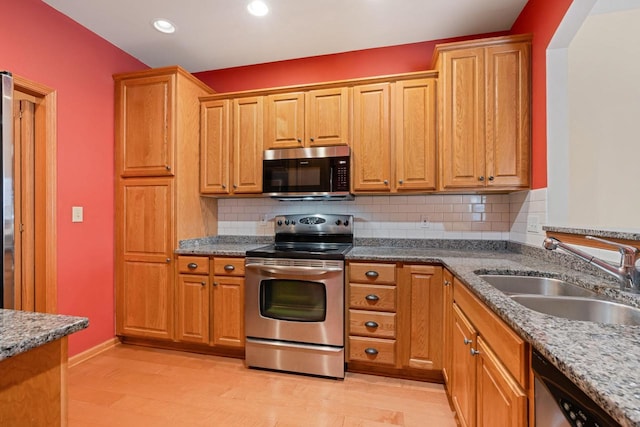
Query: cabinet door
[[327, 117], [463, 374], [215, 131], [371, 157], [193, 308], [228, 311], [447, 279], [462, 138], [415, 134], [421, 311], [508, 115], [144, 126], [285, 121], [144, 246], [501, 401], [247, 145]]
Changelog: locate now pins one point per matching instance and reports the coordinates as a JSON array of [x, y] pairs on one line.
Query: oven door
[[295, 300]]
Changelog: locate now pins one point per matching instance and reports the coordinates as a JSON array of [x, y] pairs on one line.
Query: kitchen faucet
[[627, 272]]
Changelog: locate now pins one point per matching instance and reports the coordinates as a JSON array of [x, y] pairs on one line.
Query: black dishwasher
[[560, 403]]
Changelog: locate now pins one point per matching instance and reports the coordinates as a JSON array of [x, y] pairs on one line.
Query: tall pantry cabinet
[[157, 193]]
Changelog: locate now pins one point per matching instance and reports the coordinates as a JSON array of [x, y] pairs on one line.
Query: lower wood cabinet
[[489, 371], [210, 301], [395, 319]]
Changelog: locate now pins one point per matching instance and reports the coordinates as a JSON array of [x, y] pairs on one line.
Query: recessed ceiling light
[[164, 26], [258, 8]]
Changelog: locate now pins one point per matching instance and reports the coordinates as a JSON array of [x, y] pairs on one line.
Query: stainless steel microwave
[[318, 173]]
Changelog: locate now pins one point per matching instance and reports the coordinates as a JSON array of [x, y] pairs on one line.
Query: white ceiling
[[215, 34]]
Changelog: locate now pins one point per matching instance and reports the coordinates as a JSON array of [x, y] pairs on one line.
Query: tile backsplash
[[486, 217]]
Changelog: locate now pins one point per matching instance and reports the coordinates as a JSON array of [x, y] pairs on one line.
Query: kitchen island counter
[[33, 367]]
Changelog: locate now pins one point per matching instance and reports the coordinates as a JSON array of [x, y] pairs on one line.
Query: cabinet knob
[[298, 139], [371, 274], [311, 139], [168, 167], [371, 351], [491, 178], [235, 186], [447, 283], [215, 283], [467, 341], [370, 324], [372, 297], [474, 352], [481, 178], [192, 266], [224, 186], [229, 267], [168, 260], [401, 182], [385, 182], [202, 283]]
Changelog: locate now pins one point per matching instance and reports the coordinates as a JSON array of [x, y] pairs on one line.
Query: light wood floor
[[136, 386]]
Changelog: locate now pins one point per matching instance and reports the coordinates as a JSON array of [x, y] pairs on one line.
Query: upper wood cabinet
[[231, 145], [415, 131], [484, 96], [371, 156], [145, 129], [306, 119], [394, 136]]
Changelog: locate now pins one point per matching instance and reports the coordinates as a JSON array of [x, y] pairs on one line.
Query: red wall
[[540, 18], [44, 46], [340, 66]]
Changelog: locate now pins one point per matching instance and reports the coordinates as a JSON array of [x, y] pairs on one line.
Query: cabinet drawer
[[228, 266], [372, 273], [380, 351], [372, 324], [372, 297], [193, 264]]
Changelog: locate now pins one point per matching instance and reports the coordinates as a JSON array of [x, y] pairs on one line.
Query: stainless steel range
[[294, 298]]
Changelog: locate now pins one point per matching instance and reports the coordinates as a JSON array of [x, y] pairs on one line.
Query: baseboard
[[93, 351]]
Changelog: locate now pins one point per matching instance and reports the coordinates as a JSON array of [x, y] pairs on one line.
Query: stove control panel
[[314, 224]]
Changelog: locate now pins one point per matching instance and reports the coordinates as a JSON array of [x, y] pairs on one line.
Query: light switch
[[77, 214]]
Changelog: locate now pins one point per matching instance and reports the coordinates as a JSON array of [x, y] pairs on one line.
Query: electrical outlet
[[533, 224], [424, 221]]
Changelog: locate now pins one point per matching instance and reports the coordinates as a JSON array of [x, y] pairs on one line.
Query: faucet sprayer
[[627, 272]]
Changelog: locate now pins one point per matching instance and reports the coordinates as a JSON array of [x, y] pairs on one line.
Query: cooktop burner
[[315, 236]]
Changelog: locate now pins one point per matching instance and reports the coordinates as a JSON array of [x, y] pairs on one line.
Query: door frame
[[46, 277]]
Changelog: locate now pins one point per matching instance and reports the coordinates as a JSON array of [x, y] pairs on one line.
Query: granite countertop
[[597, 232], [21, 331], [599, 358]]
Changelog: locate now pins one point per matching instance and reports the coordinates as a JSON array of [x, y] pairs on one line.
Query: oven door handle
[[294, 270]]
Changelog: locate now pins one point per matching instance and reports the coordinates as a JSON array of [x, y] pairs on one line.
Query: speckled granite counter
[[607, 234], [21, 331], [601, 359]]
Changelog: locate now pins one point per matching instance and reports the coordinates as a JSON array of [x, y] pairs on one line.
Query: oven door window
[[294, 300]]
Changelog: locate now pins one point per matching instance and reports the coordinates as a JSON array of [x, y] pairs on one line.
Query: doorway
[[34, 192]]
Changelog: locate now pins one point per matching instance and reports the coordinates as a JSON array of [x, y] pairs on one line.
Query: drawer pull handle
[[467, 341], [372, 297], [371, 274], [229, 267], [192, 266], [371, 351], [474, 352], [371, 324]]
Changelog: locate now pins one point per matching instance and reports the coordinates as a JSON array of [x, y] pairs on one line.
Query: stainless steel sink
[[514, 285], [579, 308]]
